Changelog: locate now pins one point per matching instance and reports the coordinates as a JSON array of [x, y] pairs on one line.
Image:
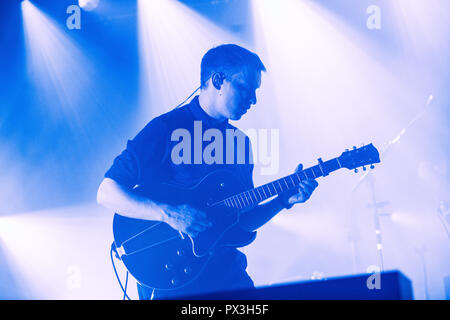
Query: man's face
[[238, 94]]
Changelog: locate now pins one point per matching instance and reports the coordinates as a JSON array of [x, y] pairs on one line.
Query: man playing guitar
[[230, 76]]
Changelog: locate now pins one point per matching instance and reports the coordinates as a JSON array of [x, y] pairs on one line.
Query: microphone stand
[[368, 177]]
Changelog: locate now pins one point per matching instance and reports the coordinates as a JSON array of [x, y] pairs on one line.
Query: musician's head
[[229, 77]]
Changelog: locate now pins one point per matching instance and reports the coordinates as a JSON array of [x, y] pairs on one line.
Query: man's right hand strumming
[[185, 218], [122, 200]]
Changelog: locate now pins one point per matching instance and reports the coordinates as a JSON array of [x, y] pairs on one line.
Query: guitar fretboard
[[257, 195]]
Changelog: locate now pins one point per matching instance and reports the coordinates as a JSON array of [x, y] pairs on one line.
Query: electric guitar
[[161, 257]]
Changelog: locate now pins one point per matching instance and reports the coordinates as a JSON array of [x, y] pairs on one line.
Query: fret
[[236, 203], [257, 189], [250, 197], [253, 199], [317, 171], [281, 189], [270, 191], [227, 203], [332, 165], [239, 201], [313, 173], [243, 200], [281, 185], [320, 173], [284, 180], [292, 180], [298, 178], [274, 188], [321, 170], [247, 198], [254, 195], [339, 164], [305, 176], [264, 192]]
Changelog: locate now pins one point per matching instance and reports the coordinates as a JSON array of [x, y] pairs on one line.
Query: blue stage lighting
[[88, 5]]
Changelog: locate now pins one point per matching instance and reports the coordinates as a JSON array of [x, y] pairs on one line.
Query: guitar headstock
[[359, 157]]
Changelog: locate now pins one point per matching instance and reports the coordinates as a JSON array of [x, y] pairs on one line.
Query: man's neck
[[207, 103]]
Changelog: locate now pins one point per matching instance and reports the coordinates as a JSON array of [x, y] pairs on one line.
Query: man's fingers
[[309, 185], [195, 229], [200, 218], [200, 225], [312, 183], [203, 221], [192, 233], [305, 189], [297, 197]]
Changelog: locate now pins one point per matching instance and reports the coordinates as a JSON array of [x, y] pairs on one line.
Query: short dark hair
[[228, 59]]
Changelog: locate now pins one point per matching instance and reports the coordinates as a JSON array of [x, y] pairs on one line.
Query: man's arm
[[260, 215], [125, 202]]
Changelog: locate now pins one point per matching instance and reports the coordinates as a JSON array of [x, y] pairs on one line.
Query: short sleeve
[[143, 156]]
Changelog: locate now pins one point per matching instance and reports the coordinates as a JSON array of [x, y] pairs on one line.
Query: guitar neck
[[250, 198]]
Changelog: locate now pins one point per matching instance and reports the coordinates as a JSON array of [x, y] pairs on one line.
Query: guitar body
[[161, 257]]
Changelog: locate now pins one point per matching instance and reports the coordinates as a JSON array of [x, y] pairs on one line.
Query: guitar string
[[140, 233], [152, 245]]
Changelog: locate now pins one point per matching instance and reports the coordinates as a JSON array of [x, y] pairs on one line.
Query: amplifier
[[391, 285]]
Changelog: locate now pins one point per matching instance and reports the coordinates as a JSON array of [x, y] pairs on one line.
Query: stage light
[[172, 41], [88, 5], [53, 62], [61, 253], [422, 28], [311, 56]]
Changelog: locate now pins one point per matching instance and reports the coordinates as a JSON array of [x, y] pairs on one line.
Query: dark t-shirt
[[149, 155], [155, 155]]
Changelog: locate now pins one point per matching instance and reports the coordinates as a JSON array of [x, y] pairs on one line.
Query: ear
[[217, 80]]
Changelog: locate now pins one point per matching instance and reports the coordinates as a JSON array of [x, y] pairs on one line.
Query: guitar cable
[[187, 98], [124, 290]]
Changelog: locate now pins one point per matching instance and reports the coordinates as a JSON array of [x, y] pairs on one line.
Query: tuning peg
[[356, 170], [372, 166], [354, 148], [364, 169]]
